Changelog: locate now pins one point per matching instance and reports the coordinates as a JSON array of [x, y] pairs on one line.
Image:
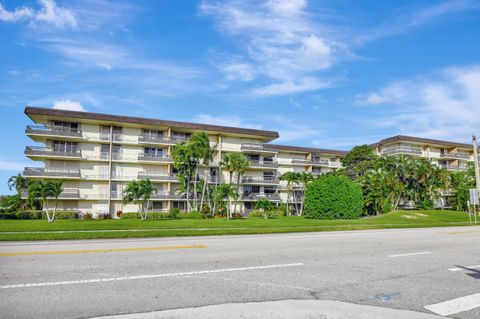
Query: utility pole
[[475, 160]]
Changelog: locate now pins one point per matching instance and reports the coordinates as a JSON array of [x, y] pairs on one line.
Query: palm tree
[[222, 193], [290, 178], [303, 178], [235, 163], [17, 182], [139, 192], [44, 190], [185, 164], [201, 145]]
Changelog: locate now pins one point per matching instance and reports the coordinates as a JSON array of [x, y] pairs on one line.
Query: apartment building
[[98, 154], [449, 155]]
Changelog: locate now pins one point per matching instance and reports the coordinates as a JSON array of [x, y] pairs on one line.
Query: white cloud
[[15, 15], [68, 105], [283, 44], [233, 121], [288, 87], [443, 105], [49, 13], [11, 166]]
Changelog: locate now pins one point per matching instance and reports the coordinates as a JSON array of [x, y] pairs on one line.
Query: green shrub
[[191, 215], [426, 204], [268, 214], [174, 212], [7, 215], [36, 214], [333, 197], [151, 215]]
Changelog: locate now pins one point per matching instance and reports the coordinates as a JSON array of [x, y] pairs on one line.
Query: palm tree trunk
[[205, 181], [45, 204], [54, 209], [238, 189]]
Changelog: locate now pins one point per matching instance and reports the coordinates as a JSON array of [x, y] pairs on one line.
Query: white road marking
[[176, 274], [410, 254], [451, 307], [465, 268]]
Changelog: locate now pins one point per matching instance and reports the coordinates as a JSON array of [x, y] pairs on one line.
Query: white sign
[[473, 196]]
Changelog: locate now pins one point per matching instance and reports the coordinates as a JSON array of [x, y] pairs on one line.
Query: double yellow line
[[88, 251]]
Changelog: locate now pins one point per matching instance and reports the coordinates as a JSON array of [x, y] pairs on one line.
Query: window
[[268, 190], [268, 159], [153, 152], [249, 205], [153, 134], [157, 206], [316, 158], [66, 147], [179, 205], [254, 158], [67, 126], [180, 135], [268, 175]]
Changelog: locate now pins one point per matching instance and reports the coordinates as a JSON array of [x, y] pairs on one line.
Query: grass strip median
[[11, 230]]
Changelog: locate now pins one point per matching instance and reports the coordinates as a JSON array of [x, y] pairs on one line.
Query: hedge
[[270, 214], [333, 197], [164, 215], [38, 215]]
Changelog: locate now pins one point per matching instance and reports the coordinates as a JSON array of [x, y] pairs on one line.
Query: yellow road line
[[464, 232], [87, 251]]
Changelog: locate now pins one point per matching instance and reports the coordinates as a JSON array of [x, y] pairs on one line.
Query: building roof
[[312, 150], [399, 138], [32, 111]]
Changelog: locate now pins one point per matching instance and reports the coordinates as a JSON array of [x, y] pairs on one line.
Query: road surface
[[402, 273]]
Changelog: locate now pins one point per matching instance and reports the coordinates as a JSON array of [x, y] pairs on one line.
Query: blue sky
[[328, 74]]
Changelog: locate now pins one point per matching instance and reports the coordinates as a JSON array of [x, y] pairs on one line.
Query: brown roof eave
[[29, 111]]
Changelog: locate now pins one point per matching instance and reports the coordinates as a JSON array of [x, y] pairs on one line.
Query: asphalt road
[[290, 274]]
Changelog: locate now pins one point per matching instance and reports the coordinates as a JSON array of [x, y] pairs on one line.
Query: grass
[[134, 228]]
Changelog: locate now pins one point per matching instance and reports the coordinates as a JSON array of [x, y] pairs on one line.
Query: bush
[[191, 215], [269, 214], [237, 216], [333, 197], [427, 204], [35, 214], [7, 216], [151, 215], [87, 216], [174, 213]]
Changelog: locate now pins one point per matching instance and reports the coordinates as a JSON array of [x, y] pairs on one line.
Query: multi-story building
[[449, 155], [98, 154]]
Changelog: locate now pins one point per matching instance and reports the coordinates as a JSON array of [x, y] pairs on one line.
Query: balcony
[[154, 158], [260, 180], [168, 196], [153, 139], [66, 194], [48, 151], [453, 167], [260, 163], [157, 177], [256, 196], [42, 172], [455, 156], [257, 147], [402, 150], [314, 162], [52, 131]]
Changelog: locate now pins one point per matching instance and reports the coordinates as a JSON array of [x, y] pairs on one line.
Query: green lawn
[[131, 228]]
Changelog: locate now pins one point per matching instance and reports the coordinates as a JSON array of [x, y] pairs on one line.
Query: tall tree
[[235, 163], [184, 162], [17, 182], [303, 178], [358, 160], [202, 150], [291, 178]]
